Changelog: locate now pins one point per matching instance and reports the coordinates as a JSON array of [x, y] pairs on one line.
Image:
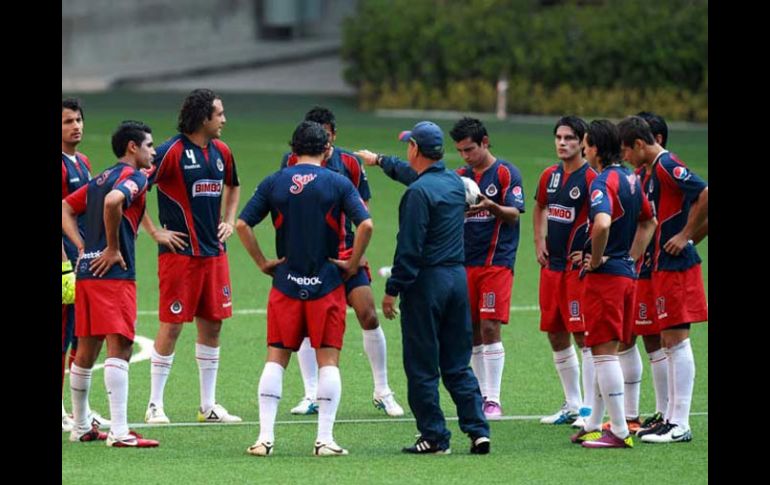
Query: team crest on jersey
[[207, 188], [574, 193], [220, 165], [491, 190], [132, 187], [560, 213], [596, 197], [300, 181], [680, 173], [176, 307]]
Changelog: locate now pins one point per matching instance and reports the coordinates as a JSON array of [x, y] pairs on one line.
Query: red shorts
[[679, 297], [560, 294], [104, 307], [608, 308], [645, 319], [489, 291], [193, 286], [290, 320]]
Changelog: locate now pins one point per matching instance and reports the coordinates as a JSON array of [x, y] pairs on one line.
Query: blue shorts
[[362, 278]]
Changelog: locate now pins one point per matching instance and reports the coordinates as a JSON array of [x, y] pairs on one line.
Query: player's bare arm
[[600, 233], [230, 197], [246, 235], [113, 212], [644, 232], [696, 218], [173, 240], [540, 226], [509, 215], [360, 242]]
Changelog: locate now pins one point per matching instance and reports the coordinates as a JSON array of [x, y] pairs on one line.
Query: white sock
[[494, 361], [659, 365], [477, 364], [681, 359], [589, 374], [631, 366], [116, 381], [208, 365], [160, 368], [63, 411], [269, 394], [594, 420], [377, 351], [308, 366], [568, 367], [80, 385], [610, 377], [329, 391]]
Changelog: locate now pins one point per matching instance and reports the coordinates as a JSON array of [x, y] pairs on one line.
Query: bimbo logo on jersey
[[300, 181], [207, 188], [560, 213], [680, 173]]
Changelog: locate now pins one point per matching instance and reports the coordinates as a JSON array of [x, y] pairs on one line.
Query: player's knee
[[368, 318]]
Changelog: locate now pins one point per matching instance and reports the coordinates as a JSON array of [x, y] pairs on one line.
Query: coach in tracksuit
[[429, 275]]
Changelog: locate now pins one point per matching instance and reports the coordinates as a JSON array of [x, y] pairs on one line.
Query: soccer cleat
[[426, 447], [155, 415], [217, 414], [669, 433], [328, 449], [492, 410], [480, 445], [388, 404], [584, 435], [609, 440], [86, 435], [651, 424], [305, 406], [562, 416], [633, 425], [96, 419], [131, 440], [260, 448], [66, 424], [579, 423]]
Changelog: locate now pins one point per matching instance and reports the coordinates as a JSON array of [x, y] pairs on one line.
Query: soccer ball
[[472, 192]]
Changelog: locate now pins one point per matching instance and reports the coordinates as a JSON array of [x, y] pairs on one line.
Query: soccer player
[[75, 173], [113, 204], [429, 276], [680, 199], [307, 204], [620, 227], [491, 238], [195, 175], [358, 288], [560, 219]]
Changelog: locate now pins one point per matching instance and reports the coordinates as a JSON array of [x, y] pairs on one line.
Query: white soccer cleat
[[388, 404], [217, 414], [155, 415], [66, 424], [260, 448], [579, 423], [96, 419], [562, 416], [305, 406], [328, 449]]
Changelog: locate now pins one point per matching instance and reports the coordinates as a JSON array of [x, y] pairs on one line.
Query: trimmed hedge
[[606, 59]]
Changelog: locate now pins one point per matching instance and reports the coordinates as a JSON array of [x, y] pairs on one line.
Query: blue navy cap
[[428, 137]]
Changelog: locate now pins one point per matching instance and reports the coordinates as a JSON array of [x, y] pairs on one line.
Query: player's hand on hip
[[389, 307], [541, 253], [102, 264], [173, 240], [224, 231], [268, 267], [348, 270], [67, 283], [676, 244]]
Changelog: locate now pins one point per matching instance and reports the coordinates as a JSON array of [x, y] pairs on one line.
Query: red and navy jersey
[[644, 266], [307, 204], [190, 180], [565, 197], [672, 189], [74, 174], [488, 240], [348, 165], [89, 201], [617, 192]]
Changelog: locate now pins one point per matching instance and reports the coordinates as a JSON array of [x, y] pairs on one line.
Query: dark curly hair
[[74, 104], [309, 138], [197, 107], [468, 128], [127, 131], [603, 134], [322, 115], [657, 124]]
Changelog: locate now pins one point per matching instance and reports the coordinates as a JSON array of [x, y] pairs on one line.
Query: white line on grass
[[338, 421], [145, 350], [263, 311]]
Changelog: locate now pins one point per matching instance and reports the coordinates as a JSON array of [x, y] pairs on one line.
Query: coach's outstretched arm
[[393, 167]]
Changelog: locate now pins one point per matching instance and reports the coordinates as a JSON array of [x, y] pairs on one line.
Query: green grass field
[[258, 130]]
